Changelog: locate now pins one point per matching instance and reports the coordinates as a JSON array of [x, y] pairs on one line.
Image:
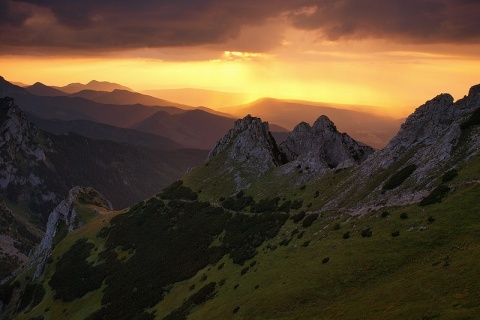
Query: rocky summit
[[321, 146], [250, 145]]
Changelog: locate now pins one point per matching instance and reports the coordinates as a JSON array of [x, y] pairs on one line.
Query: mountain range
[[318, 226], [93, 102]]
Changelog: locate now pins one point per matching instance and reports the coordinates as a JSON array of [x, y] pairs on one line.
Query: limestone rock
[[321, 146], [249, 145], [17, 144], [64, 213]]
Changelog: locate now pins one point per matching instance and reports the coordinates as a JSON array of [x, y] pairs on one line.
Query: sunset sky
[[395, 54]]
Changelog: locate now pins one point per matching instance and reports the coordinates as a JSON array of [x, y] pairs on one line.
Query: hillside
[[395, 235], [194, 128], [121, 97], [37, 170], [99, 131]]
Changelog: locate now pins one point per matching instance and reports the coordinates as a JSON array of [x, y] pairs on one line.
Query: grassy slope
[[429, 274], [418, 275]]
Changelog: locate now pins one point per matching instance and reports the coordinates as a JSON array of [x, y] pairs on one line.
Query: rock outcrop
[[432, 140], [64, 214], [431, 134], [250, 145], [321, 147]]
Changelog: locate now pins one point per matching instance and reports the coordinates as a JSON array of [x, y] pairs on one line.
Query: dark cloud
[[13, 14], [425, 21], [92, 25]]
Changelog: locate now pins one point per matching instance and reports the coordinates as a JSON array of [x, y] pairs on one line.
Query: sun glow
[[324, 74]]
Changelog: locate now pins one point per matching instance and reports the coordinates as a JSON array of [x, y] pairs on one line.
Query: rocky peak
[[322, 146], [249, 146], [435, 125]]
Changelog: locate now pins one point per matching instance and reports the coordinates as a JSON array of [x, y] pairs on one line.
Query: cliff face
[[321, 147], [64, 215], [18, 146], [250, 146]]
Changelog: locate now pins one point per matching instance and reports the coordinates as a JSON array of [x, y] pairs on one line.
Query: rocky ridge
[[251, 150], [250, 146], [321, 147], [428, 141], [64, 214]]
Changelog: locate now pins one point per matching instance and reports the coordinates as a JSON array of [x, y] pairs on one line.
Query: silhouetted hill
[[40, 89], [121, 97], [92, 85], [195, 128], [99, 131]]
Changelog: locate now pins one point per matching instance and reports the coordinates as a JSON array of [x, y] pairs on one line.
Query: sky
[[394, 54]]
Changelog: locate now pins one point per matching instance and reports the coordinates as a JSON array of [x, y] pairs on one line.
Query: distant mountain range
[[201, 97], [116, 105], [92, 85]]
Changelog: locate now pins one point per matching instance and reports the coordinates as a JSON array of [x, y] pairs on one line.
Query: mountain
[[7, 88], [395, 236], [200, 97], [92, 85], [371, 129], [194, 128], [36, 166], [252, 150], [125, 97], [99, 131], [40, 89], [321, 147], [37, 169]]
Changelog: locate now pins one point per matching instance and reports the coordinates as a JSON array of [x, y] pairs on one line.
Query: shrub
[[286, 206], [297, 204], [366, 233], [435, 196], [336, 226], [317, 194], [473, 120], [431, 219], [404, 215], [395, 234], [346, 235], [399, 177], [307, 222], [303, 187], [299, 216], [385, 214], [178, 191], [325, 260], [305, 244], [235, 310], [449, 175]]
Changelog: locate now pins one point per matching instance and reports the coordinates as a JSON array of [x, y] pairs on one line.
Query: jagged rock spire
[[321, 146], [251, 144]]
